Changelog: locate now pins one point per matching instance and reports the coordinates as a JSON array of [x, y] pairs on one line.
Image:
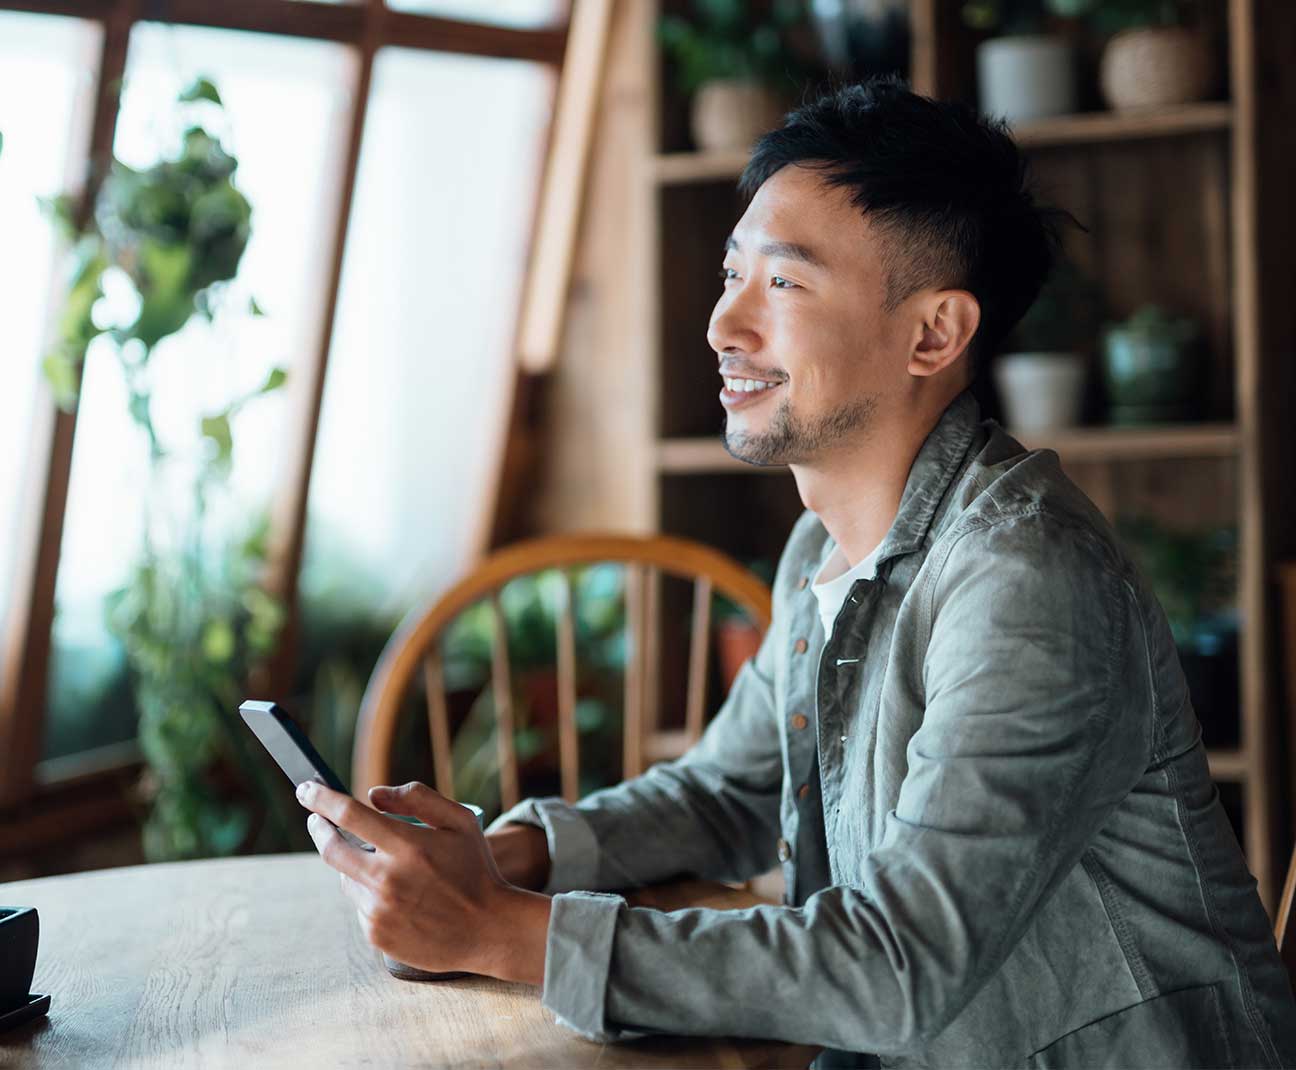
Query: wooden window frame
[[43, 802]]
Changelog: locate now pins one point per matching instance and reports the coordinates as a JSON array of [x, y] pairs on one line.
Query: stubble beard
[[790, 440]]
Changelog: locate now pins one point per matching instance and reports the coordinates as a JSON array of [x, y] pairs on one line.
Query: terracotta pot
[[728, 114], [1156, 67], [736, 642]]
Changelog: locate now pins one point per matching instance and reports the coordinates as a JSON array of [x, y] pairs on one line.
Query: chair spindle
[[699, 648], [502, 691], [438, 722], [568, 743]]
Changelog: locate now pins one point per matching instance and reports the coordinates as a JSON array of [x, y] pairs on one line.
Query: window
[[450, 273], [422, 345], [46, 81], [521, 13], [285, 102]]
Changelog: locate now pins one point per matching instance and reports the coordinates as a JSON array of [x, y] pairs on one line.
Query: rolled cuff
[[578, 957], [573, 848]]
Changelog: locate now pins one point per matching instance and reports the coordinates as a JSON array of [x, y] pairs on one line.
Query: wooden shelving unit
[[1185, 206], [675, 168], [1083, 444]]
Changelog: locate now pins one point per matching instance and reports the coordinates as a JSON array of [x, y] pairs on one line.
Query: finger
[[361, 897], [336, 852], [347, 813], [427, 804]]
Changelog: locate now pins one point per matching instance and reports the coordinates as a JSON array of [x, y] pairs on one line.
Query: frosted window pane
[[421, 352], [286, 104], [527, 14], [46, 81]]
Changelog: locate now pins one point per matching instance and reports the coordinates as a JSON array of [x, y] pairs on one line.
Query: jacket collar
[[934, 468]]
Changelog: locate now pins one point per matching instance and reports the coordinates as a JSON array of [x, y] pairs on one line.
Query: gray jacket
[[989, 796]]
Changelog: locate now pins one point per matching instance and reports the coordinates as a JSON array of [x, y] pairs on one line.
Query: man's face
[[802, 314]]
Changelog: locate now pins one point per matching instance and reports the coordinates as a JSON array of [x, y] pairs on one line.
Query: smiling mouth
[[739, 392], [747, 386]]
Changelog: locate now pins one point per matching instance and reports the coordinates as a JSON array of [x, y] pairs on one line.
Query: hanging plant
[[192, 617]]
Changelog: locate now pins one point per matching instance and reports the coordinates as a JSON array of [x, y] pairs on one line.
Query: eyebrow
[[789, 250]]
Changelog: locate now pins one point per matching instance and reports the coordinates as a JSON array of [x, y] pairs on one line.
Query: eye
[[775, 279], [724, 274]]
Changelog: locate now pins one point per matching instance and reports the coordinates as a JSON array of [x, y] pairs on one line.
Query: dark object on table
[[19, 936], [403, 972]]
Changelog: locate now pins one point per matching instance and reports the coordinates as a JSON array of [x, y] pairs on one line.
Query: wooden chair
[[416, 647]]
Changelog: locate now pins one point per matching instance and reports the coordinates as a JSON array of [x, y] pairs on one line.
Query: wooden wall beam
[[343, 23], [288, 516]]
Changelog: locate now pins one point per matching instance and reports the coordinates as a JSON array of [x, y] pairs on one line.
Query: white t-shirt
[[832, 593]]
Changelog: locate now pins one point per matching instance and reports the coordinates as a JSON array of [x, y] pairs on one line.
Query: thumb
[[416, 799]]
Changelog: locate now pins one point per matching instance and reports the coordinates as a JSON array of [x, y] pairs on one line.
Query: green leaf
[[218, 641], [217, 428], [200, 89], [276, 379], [167, 301], [60, 210], [60, 371]]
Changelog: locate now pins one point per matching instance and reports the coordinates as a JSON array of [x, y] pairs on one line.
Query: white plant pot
[[1040, 391], [1028, 76]]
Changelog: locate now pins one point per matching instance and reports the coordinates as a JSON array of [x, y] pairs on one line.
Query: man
[[966, 736]]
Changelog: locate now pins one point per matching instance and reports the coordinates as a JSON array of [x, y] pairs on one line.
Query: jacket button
[[784, 851], [802, 583], [799, 721], [801, 646], [803, 791]]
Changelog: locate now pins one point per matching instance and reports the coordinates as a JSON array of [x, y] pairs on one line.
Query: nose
[[732, 323]]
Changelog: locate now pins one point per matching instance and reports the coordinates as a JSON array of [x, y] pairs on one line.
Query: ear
[[949, 319]]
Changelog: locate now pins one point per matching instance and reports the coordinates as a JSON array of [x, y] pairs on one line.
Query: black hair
[[947, 188]]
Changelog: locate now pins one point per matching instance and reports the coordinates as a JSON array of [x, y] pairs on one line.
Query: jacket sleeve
[[1037, 723], [712, 814]]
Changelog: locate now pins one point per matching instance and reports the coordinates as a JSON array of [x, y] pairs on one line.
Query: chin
[[756, 449]]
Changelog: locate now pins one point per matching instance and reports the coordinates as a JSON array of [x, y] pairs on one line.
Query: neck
[[855, 489]]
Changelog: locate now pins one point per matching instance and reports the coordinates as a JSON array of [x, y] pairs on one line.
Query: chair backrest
[[416, 647]]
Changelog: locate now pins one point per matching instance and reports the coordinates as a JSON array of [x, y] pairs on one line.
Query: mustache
[[736, 368]]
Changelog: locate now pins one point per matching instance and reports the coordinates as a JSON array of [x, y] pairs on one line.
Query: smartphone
[[293, 752]]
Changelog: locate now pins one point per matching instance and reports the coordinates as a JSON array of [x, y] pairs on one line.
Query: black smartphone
[[293, 752]]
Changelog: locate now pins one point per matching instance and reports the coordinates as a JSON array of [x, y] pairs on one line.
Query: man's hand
[[432, 898], [522, 854]]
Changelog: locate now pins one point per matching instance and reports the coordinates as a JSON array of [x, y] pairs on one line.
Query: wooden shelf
[[1160, 442], [1103, 126], [681, 456], [681, 168], [1167, 441], [1228, 766]]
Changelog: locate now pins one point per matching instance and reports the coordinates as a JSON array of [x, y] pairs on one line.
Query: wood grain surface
[[259, 962]]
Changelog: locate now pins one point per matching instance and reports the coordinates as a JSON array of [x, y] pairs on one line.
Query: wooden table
[[258, 962]]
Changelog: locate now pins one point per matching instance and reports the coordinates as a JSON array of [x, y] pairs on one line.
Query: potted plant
[[858, 38], [1041, 375], [192, 617], [1154, 58], [1150, 369], [1024, 72], [1192, 575], [737, 637], [733, 68]]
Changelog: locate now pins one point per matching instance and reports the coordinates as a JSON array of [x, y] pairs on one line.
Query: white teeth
[[742, 386]]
